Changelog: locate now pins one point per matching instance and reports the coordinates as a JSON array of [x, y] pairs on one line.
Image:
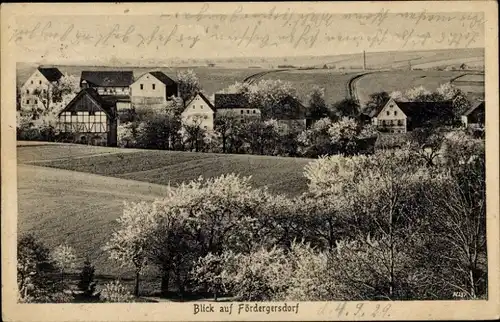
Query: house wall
[[240, 112], [199, 112], [391, 118], [121, 106], [113, 90], [35, 81], [148, 96]]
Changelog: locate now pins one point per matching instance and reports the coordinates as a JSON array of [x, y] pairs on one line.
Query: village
[[100, 104]]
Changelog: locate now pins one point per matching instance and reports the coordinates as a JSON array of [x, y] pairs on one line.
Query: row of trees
[[384, 226]]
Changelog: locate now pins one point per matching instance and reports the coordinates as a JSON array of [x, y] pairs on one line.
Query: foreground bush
[[115, 292]]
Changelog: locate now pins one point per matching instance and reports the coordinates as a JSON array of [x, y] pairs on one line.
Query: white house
[[38, 87], [390, 118], [152, 90], [199, 111]]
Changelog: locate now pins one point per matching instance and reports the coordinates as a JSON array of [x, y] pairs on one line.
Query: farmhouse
[[89, 118], [290, 114], [153, 89], [38, 87], [400, 117], [112, 84], [235, 105], [474, 116], [199, 111]]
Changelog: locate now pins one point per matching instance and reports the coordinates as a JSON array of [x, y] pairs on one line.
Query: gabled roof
[[474, 107], [106, 105], [108, 78], [52, 74], [233, 100], [162, 77], [204, 98]]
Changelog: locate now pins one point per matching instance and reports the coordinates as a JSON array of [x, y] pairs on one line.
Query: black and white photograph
[[248, 158]]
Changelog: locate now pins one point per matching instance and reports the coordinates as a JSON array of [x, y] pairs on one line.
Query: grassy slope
[[402, 80], [76, 208], [281, 175], [334, 83], [79, 208]]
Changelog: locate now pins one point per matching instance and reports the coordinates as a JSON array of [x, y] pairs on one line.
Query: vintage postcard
[[250, 161]]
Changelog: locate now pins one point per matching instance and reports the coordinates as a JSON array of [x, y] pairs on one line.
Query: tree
[[64, 259], [57, 95], [346, 108], [262, 136], [227, 126], [271, 97], [159, 131], [376, 101], [317, 105], [129, 243], [193, 133], [347, 134], [189, 85], [427, 142], [33, 268], [86, 284]]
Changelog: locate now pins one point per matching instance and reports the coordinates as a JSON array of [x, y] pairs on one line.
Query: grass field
[[402, 80], [73, 193]]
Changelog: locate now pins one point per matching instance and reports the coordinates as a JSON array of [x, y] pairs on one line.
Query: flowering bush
[[115, 292]]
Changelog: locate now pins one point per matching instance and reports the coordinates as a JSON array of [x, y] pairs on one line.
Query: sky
[[272, 33]]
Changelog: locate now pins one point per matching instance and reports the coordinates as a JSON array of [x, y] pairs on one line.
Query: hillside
[[281, 175], [81, 205]]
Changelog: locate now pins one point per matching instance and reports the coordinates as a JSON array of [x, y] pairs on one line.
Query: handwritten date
[[353, 309]]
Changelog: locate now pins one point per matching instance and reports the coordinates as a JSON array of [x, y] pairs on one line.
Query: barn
[[89, 119]]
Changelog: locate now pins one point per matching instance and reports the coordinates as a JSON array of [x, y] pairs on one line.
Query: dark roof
[[204, 98], [290, 108], [474, 107], [52, 74], [412, 108], [237, 100], [107, 105], [163, 78], [108, 78]]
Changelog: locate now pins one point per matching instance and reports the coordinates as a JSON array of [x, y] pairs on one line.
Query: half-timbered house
[[89, 118]]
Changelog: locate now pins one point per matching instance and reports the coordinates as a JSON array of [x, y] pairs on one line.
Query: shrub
[[115, 292], [86, 284]]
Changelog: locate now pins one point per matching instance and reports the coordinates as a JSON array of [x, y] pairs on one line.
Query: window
[[105, 90], [248, 111], [400, 122], [201, 106], [194, 107], [27, 91], [36, 101], [27, 101], [31, 82], [40, 82], [154, 86], [253, 111], [142, 86], [241, 111], [205, 127], [395, 112], [388, 113], [205, 117]]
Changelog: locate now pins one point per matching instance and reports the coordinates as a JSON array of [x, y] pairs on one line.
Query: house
[[89, 118], [153, 89], [400, 117], [112, 84], [474, 116], [291, 114], [38, 87], [235, 105], [199, 111]]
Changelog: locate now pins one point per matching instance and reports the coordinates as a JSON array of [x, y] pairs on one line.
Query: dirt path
[[351, 85]]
